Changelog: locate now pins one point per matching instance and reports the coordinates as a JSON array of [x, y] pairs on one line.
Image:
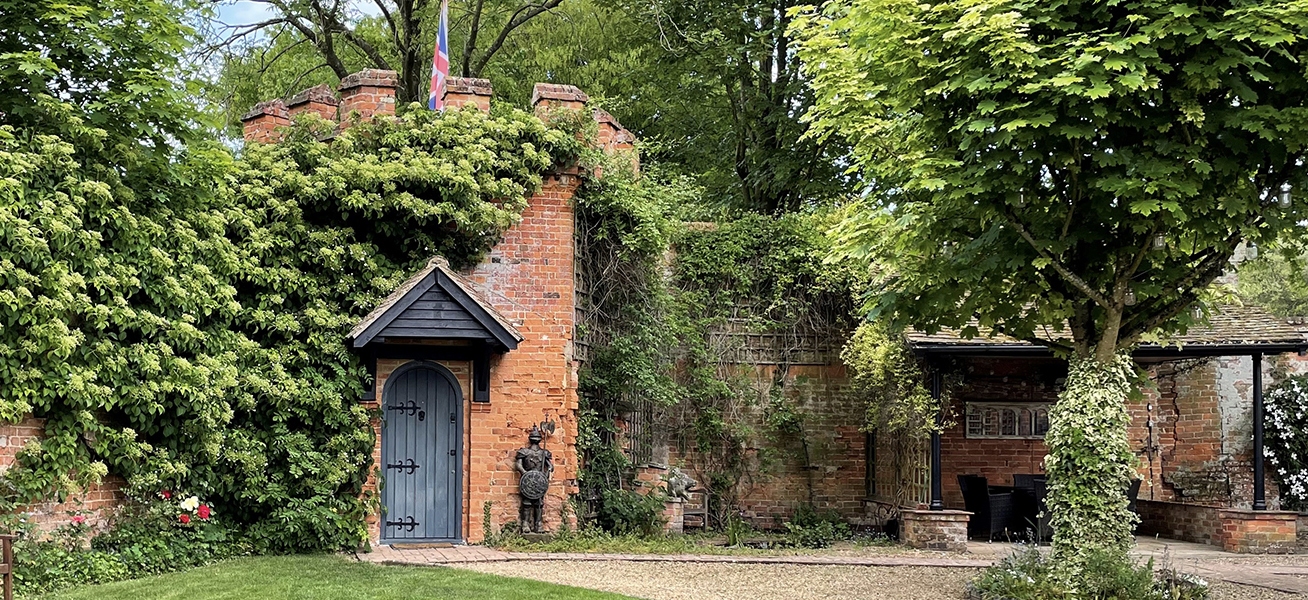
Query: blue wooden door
[[421, 499]]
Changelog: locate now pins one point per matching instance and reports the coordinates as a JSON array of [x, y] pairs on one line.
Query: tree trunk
[[1090, 464]]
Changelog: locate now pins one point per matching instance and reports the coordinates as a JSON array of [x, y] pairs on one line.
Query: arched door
[[421, 497]]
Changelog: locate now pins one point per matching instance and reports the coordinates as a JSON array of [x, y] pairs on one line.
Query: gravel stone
[[710, 581]]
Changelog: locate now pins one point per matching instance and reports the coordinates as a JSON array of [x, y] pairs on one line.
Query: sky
[[244, 12]]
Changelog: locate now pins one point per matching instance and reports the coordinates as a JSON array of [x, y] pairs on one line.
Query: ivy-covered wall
[[183, 327]]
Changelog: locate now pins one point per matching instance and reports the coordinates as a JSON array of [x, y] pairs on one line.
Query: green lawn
[[326, 578]]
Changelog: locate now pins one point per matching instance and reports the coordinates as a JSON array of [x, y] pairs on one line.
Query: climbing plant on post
[[1070, 173]]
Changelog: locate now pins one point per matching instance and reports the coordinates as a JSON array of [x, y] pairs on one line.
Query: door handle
[[422, 415]]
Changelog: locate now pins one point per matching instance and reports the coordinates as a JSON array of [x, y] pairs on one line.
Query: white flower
[[191, 503]]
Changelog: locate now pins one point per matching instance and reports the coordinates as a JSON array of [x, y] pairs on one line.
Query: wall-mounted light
[[1130, 298], [1283, 198], [1160, 241]]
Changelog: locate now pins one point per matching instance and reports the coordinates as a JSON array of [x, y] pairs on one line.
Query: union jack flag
[[440, 62]]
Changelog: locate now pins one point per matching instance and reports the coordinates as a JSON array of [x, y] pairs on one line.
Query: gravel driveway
[[707, 581]]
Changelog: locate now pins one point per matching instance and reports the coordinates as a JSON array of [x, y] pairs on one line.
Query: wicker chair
[[1132, 493], [992, 512]]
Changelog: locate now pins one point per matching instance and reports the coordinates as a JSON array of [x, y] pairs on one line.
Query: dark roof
[[437, 303], [1230, 330]]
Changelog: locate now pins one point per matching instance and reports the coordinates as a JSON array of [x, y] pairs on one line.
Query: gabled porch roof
[[436, 303]]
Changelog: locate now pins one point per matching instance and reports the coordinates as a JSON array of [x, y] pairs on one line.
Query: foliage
[[116, 60], [740, 137], [178, 319], [1090, 462], [736, 528], [890, 380], [327, 576], [1029, 575], [1286, 419], [1073, 174], [144, 538], [1276, 280], [811, 528], [744, 141], [818, 535], [651, 319], [625, 512]]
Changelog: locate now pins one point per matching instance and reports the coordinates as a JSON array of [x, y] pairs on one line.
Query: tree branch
[[1058, 266], [526, 13], [470, 45]]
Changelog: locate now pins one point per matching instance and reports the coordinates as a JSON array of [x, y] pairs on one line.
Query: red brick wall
[[529, 278], [1177, 521], [96, 503], [995, 380], [832, 476]]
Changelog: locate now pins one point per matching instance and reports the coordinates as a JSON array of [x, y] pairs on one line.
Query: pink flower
[[184, 518], [79, 519]]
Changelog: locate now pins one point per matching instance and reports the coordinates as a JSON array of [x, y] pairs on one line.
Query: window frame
[[1033, 410]]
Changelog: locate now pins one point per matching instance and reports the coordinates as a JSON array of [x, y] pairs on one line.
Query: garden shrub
[[1286, 437], [1030, 575], [145, 537], [627, 512], [812, 528]]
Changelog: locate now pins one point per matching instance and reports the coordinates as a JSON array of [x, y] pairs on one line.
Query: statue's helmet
[[535, 434]]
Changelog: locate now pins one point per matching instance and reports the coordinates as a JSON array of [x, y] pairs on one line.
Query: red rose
[[166, 494], [203, 511], [185, 519]]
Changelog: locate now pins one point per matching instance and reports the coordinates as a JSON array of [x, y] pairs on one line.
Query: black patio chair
[[1042, 529], [1132, 493], [1026, 506], [992, 512]]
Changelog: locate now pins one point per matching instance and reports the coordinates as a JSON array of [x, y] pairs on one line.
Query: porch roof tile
[[1230, 325]]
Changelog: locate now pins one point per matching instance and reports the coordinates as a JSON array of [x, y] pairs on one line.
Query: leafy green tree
[[1072, 173], [708, 93], [740, 76], [1276, 279]]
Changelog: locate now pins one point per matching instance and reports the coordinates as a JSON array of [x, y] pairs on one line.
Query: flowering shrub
[[1029, 575], [147, 536], [1286, 439]]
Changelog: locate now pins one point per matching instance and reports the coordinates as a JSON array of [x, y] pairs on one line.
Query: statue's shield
[[533, 485]]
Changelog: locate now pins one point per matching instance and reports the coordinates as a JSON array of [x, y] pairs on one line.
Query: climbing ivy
[[192, 337], [668, 288], [890, 381], [1090, 463]]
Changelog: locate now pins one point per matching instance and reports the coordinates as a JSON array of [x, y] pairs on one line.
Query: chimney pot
[[462, 90], [262, 122], [318, 99], [547, 96], [369, 92]]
